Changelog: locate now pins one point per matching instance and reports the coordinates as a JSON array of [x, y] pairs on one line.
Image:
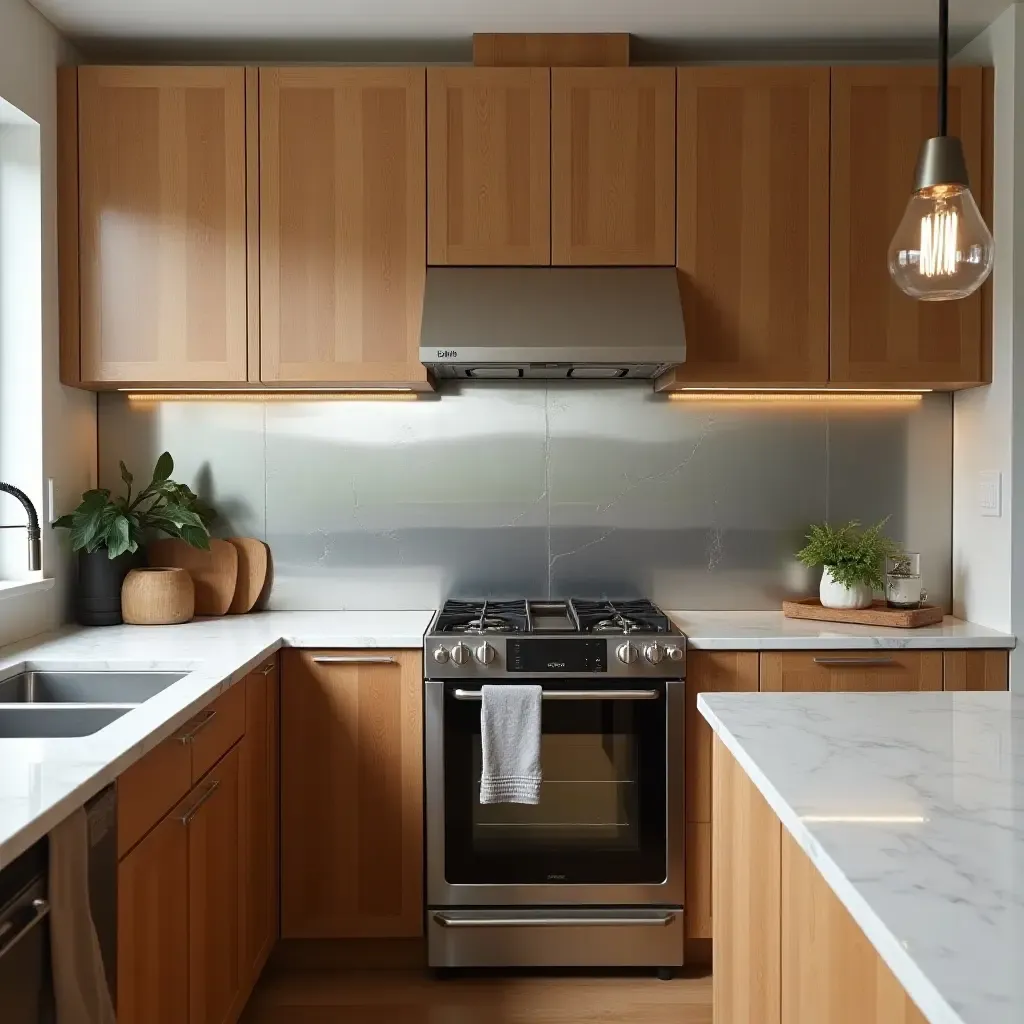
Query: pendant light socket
[[941, 162]]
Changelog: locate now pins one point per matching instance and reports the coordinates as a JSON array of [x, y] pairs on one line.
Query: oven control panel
[[537, 656]]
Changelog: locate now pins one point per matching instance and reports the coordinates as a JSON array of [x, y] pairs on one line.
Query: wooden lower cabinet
[[352, 794], [851, 671], [976, 670]]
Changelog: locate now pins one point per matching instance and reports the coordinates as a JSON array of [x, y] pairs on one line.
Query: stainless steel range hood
[[487, 323]]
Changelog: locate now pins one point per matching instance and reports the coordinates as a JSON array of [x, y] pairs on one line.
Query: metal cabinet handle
[[649, 920], [354, 659], [574, 694], [198, 728], [840, 662], [10, 931], [194, 809]]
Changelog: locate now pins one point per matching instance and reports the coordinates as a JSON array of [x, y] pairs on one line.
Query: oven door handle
[[657, 920], [574, 694]]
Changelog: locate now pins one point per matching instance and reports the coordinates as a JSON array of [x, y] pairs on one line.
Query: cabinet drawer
[[213, 732], [851, 671], [150, 788]]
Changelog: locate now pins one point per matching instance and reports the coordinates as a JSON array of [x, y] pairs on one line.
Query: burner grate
[[620, 617], [478, 618]]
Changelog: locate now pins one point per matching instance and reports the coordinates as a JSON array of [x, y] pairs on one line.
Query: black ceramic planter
[[98, 601]]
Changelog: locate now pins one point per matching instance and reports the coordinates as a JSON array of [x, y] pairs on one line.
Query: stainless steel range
[[593, 874]]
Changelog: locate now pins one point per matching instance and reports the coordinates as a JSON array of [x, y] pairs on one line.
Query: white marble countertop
[[912, 808], [772, 631], [42, 781]]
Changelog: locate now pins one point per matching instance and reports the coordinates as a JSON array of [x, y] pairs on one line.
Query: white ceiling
[[676, 20]]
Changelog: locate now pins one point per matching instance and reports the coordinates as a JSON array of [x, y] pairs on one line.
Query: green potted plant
[[107, 533], [851, 560]]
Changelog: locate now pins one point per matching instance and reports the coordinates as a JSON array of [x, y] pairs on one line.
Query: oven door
[[609, 825]]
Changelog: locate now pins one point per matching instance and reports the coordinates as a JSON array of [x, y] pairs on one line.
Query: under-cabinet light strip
[[845, 397], [396, 395]]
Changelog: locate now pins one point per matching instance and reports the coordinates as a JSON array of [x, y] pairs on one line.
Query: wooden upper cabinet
[[342, 225], [161, 225], [879, 336], [753, 201], [851, 671], [489, 166], [613, 190], [352, 794]]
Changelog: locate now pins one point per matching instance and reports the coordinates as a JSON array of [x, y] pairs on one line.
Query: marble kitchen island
[[869, 857]]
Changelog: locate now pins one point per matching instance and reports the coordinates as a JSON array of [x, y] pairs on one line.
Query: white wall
[[30, 50], [988, 552]]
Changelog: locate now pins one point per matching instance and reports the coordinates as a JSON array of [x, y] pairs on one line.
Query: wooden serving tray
[[877, 615]]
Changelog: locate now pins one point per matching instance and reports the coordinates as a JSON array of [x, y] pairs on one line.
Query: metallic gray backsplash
[[558, 489]]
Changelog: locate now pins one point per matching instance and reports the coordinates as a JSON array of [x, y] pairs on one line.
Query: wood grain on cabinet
[[879, 336], [259, 808], [975, 670], [613, 166], [162, 222], [351, 794], [698, 921], [215, 980], [851, 671], [746, 853], [342, 225], [830, 972], [252, 219], [551, 49], [489, 166], [153, 928], [752, 200], [67, 226], [213, 731]]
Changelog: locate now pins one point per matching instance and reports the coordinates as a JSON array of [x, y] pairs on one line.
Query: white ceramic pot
[[836, 595]]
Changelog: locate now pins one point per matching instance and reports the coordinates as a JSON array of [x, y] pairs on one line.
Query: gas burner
[[618, 624], [477, 618], [622, 617], [478, 627]]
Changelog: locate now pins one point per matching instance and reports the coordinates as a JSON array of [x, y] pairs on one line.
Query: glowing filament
[[938, 243]]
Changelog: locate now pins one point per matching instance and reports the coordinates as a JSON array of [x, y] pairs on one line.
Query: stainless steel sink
[[37, 721], [99, 687]]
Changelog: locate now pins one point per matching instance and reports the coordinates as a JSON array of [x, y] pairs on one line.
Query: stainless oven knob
[[484, 654], [674, 653], [654, 653], [460, 654], [626, 653], [440, 655]]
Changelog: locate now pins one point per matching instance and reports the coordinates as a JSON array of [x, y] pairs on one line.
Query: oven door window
[[602, 812]]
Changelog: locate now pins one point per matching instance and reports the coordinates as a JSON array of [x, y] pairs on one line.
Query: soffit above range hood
[[487, 323]]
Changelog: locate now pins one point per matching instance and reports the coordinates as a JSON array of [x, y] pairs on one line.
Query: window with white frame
[[21, 331]]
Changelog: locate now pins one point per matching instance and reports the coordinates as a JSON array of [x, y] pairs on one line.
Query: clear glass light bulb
[[942, 249]]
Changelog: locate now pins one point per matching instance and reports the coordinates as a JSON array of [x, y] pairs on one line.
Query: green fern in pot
[[852, 561]]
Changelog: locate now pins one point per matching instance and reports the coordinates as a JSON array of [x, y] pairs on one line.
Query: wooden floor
[[412, 997]]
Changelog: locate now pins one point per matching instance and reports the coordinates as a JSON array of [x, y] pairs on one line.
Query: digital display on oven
[[535, 656]]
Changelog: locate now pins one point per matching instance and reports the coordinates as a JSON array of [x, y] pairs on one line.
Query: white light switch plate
[[990, 493]]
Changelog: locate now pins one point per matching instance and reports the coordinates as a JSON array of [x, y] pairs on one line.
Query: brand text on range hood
[[551, 322]]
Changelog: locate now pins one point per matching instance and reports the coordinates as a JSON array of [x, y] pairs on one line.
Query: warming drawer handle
[[574, 694], [651, 920], [852, 662], [11, 933], [197, 729], [187, 817], [353, 659]]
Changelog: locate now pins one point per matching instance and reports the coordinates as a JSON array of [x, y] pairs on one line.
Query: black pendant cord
[[943, 65]]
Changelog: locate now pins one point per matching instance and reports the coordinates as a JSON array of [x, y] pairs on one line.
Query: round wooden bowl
[[157, 597]]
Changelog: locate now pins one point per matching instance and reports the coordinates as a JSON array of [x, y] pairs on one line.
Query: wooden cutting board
[[252, 573], [214, 572]]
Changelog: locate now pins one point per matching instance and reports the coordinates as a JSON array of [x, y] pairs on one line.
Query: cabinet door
[[342, 225], [258, 869], [162, 224], [851, 671], [215, 985], [489, 166], [975, 670], [613, 190], [351, 794], [880, 117], [153, 928], [752, 197]]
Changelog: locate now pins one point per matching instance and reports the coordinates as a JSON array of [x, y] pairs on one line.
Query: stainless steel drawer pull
[[198, 728], [575, 694], [13, 931], [640, 920], [353, 659], [194, 809], [853, 662]]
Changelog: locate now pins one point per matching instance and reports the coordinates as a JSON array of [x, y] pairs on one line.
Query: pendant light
[[942, 249]]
